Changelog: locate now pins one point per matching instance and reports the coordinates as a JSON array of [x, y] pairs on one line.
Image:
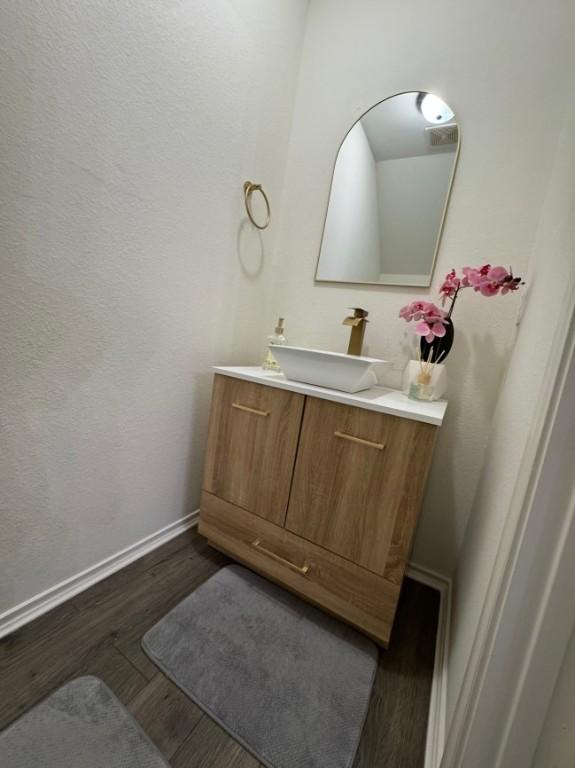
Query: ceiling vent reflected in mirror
[[441, 135], [389, 193]]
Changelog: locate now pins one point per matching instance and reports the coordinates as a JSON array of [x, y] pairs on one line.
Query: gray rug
[[284, 679], [82, 725]]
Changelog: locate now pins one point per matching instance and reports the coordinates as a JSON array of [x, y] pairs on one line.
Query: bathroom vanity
[[318, 490]]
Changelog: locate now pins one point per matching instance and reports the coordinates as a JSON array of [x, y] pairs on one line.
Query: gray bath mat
[[291, 684], [82, 725]]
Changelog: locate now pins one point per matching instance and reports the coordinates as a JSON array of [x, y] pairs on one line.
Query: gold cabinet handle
[[303, 569], [360, 441], [247, 409]]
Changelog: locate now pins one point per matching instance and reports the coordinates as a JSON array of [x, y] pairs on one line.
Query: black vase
[[439, 347]]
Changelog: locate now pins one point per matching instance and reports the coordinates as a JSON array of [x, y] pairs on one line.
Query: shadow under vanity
[[318, 490]]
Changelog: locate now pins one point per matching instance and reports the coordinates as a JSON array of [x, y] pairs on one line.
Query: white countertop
[[380, 399]]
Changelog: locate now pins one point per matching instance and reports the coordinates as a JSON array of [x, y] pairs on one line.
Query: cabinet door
[[252, 444], [358, 484]]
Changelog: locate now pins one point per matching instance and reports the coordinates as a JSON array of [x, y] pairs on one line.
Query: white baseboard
[[42, 603], [436, 723]]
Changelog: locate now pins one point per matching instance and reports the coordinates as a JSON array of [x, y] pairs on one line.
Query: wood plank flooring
[[99, 632]]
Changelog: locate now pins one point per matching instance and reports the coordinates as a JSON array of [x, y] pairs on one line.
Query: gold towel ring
[[250, 187]]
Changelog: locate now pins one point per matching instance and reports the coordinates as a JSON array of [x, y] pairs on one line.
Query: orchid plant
[[433, 322]]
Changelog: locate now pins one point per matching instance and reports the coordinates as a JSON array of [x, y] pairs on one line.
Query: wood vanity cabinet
[[319, 496]]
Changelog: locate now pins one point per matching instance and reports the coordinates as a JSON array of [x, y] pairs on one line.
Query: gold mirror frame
[[443, 215]]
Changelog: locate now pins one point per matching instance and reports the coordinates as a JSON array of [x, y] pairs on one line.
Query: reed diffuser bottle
[[425, 379]]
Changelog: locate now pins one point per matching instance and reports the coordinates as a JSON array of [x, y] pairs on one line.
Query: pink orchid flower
[[497, 274], [471, 277], [488, 288], [414, 311], [431, 319], [430, 332], [489, 281], [450, 286]]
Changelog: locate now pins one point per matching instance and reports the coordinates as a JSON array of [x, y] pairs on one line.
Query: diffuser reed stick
[[426, 366]]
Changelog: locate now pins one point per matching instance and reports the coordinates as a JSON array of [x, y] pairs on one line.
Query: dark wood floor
[[99, 633]]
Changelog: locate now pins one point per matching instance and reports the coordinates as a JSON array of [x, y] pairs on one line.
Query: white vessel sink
[[335, 370]]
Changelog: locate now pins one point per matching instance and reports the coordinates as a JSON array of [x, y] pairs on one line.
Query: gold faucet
[[357, 322]]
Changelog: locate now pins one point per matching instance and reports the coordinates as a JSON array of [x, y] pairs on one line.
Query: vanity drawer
[[252, 445], [354, 594], [358, 483]]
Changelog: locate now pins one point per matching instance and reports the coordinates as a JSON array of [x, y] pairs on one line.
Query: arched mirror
[[389, 193]]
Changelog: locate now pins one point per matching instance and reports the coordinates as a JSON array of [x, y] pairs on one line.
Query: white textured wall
[[556, 747], [127, 131], [551, 273], [351, 244], [412, 193], [480, 58]]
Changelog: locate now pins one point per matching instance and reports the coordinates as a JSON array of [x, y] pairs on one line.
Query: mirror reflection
[[389, 193]]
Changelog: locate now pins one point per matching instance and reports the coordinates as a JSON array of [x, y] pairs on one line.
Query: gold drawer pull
[[303, 569], [247, 409], [360, 441]]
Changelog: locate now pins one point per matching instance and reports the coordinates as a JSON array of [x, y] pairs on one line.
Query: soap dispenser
[[277, 338]]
